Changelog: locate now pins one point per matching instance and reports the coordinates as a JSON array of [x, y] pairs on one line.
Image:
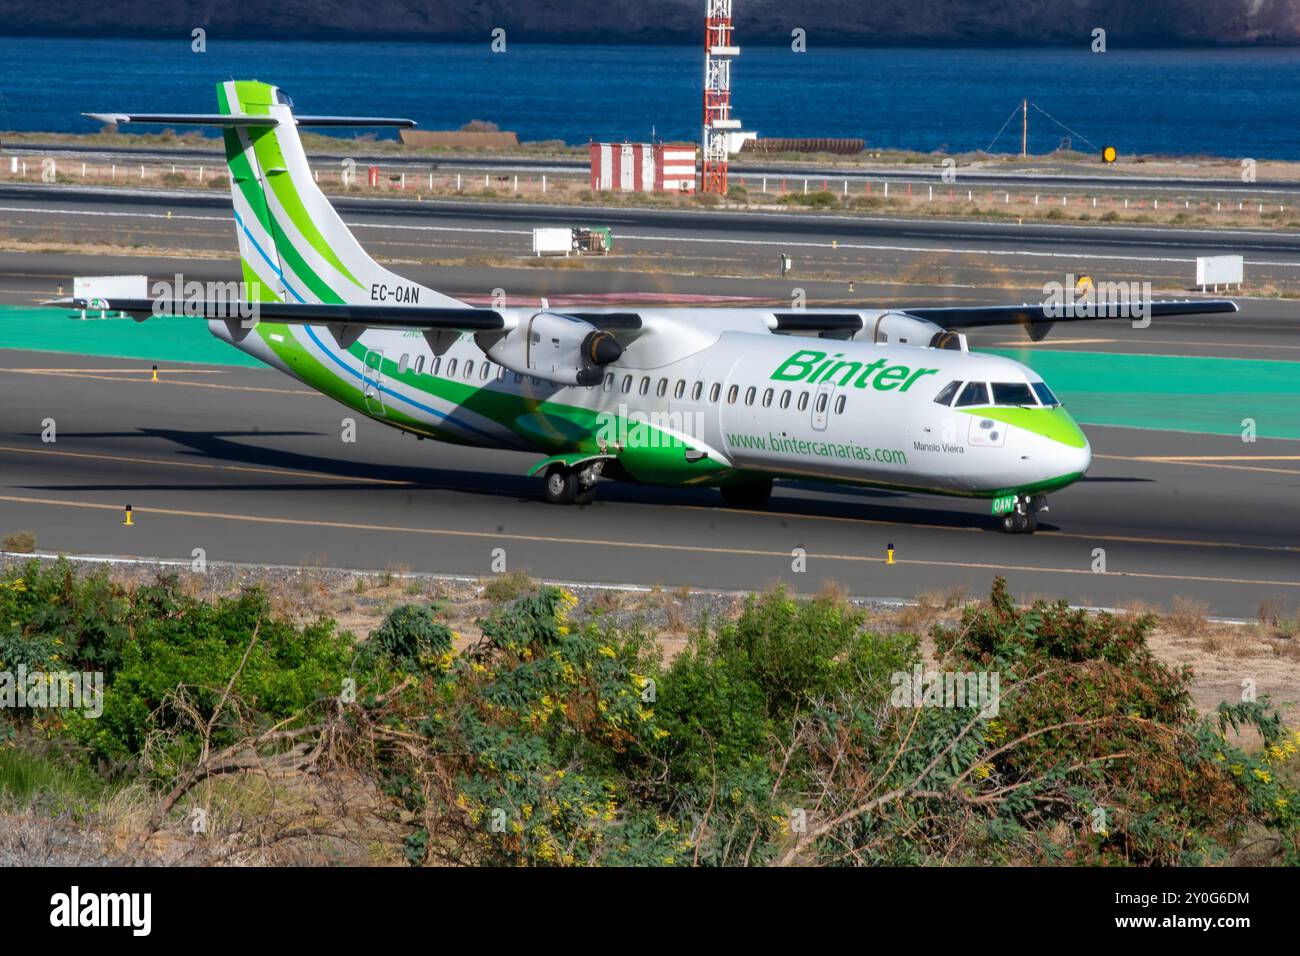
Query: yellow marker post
[[850, 286], [1109, 154], [127, 521], [155, 374], [889, 553]]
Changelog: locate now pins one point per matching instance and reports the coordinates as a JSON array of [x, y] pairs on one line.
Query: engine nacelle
[[900, 329], [555, 347]]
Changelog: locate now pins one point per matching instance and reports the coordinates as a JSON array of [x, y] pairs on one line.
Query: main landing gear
[[1023, 518], [572, 486]]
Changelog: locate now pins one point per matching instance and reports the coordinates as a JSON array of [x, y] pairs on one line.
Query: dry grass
[[1187, 616], [508, 586], [930, 608], [19, 542]]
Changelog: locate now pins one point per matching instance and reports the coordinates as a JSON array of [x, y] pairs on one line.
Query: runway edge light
[[889, 553], [127, 522]]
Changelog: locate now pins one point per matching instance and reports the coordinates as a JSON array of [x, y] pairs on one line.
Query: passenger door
[[372, 382], [821, 405]]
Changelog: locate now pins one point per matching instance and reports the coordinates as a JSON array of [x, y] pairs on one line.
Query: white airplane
[[731, 398]]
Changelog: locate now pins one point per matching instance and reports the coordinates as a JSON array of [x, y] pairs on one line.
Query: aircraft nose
[[1082, 458]]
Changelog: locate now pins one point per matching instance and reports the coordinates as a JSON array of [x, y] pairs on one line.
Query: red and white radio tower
[[718, 54]]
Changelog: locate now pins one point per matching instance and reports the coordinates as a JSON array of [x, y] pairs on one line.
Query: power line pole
[[1024, 128]]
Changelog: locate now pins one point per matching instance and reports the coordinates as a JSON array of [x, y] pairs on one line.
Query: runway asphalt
[[248, 464]]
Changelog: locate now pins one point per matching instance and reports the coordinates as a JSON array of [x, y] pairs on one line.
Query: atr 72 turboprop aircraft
[[731, 398]]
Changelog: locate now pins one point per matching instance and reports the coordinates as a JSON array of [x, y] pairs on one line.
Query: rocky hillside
[[827, 22]]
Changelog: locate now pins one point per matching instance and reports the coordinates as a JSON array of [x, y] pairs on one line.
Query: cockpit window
[[975, 393], [1012, 393], [283, 98], [1045, 394], [945, 397]]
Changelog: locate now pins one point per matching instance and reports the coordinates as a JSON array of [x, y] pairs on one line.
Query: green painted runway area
[[167, 339], [1175, 393]]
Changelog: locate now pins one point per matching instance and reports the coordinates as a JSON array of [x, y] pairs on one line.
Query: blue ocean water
[[1217, 102]]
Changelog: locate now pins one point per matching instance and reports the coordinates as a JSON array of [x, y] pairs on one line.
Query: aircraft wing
[[970, 317], [416, 318], [1036, 319]]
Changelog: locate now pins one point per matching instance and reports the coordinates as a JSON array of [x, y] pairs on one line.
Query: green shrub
[[73, 622], [410, 636], [549, 742], [817, 200], [182, 642]]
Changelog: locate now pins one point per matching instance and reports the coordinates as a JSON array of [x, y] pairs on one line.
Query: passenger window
[[680, 390], [419, 365], [519, 378], [487, 370], [1012, 393], [662, 390], [609, 381], [714, 392], [949, 392], [839, 405], [785, 398], [767, 398], [501, 373], [803, 401], [403, 362], [435, 365], [469, 368], [451, 368], [749, 395], [627, 384], [696, 391], [645, 385], [732, 393], [821, 403], [975, 393]]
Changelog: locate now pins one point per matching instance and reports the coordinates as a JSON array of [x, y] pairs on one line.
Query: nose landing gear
[[1023, 518]]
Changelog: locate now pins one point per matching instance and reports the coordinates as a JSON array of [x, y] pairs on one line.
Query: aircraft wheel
[[561, 485], [1015, 523], [751, 495]]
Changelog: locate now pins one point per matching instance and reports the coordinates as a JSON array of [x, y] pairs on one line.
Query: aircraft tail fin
[[293, 244]]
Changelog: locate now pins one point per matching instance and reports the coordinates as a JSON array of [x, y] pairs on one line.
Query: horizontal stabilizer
[[184, 119], [224, 119]]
